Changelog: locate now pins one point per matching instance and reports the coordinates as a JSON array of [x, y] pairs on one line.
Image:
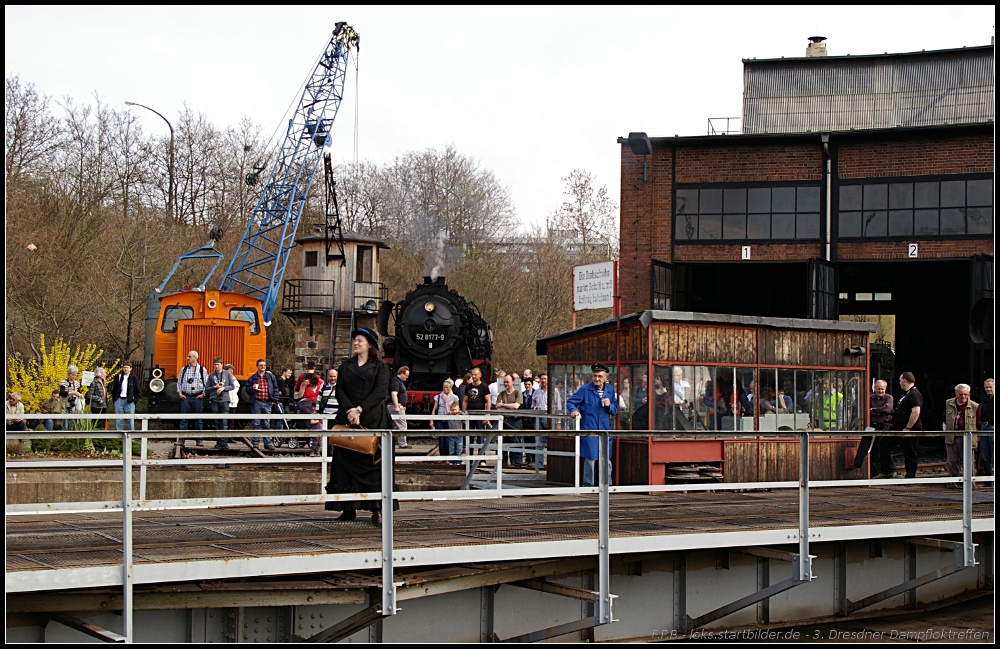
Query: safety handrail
[[128, 505]]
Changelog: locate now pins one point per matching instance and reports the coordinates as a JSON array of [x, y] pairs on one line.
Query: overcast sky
[[532, 93]]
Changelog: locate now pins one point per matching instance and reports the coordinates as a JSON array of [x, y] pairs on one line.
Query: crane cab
[[213, 323]]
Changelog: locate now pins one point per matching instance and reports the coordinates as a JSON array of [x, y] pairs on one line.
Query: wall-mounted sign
[[911, 250], [746, 252], [594, 286]]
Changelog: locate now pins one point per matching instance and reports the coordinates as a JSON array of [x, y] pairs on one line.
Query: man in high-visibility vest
[[831, 408]]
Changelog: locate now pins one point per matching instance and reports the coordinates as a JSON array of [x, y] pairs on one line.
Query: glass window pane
[[735, 201], [925, 194], [925, 222], [684, 416], [792, 398], [557, 391], [876, 197], [710, 227], [980, 220], [174, 313], [759, 200], [900, 223], [874, 224], [687, 201], [711, 201], [662, 399], [636, 399], [247, 315], [759, 226], [734, 226], [783, 226], [783, 199], [980, 192], [807, 226], [953, 193], [952, 220], [687, 227], [807, 199], [900, 196], [850, 224], [850, 197], [701, 397]]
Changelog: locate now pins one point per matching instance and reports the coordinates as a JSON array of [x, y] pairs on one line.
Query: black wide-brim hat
[[367, 333]]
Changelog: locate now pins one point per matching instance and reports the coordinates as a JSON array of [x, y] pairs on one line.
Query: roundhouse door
[[822, 295]]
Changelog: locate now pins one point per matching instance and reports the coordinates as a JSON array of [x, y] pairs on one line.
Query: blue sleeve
[[614, 400], [573, 403]]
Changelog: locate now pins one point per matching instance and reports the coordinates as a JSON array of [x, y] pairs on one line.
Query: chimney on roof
[[816, 47]]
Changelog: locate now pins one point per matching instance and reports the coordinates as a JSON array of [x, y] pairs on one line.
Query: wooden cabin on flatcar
[[705, 375]]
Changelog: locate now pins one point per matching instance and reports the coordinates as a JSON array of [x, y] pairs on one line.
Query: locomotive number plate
[[429, 338]]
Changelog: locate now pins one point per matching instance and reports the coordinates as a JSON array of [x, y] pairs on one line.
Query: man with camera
[[191, 389], [220, 385]]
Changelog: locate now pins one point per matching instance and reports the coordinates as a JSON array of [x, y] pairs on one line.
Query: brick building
[[859, 185]]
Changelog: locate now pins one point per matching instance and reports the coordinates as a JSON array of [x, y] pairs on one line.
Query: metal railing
[[724, 125], [369, 296], [801, 562], [308, 296]]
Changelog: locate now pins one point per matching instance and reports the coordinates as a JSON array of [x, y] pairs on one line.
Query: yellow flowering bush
[[36, 379]]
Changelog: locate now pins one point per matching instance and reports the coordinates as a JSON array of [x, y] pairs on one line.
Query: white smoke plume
[[436, 255]]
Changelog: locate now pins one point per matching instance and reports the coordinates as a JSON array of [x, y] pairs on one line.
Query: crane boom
[[258, 265]]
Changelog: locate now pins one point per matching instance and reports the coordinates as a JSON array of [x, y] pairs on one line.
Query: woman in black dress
[[361, 391]]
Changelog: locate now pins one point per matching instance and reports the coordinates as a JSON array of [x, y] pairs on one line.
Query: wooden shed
[[340, 289], [706, 375]]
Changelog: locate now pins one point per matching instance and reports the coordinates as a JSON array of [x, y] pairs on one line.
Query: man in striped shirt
[[191, 389]]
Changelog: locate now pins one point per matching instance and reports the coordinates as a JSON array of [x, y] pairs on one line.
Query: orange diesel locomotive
[[212, 323]]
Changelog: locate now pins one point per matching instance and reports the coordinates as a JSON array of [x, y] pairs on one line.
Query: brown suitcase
[[367, 444]]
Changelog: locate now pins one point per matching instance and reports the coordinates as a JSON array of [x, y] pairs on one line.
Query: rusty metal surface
[[74, 540]]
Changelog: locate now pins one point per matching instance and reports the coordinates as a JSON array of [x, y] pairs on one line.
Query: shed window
[[312, 258], [365, 263], [925, 208], [744, 213]]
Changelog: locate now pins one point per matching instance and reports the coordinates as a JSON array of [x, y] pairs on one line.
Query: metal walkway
[[84, 550]]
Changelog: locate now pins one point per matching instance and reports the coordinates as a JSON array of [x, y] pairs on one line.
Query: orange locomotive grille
[[209, 341]]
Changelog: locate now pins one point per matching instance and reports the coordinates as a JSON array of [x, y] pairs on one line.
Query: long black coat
[[353, 472], [366, 386]]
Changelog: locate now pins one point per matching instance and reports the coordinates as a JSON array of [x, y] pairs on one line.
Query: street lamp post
[[170, 163]]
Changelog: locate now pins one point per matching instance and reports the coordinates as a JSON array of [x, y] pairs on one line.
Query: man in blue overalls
[[594, 404]]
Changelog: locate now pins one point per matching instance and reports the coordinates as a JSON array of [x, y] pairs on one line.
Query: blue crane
[[258, 264]]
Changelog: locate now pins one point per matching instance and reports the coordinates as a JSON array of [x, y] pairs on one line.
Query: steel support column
[[388, 584], [763, 581], [805, 563], [603, 549], [840, 579], [969, 548], [487, 600], [680, 616], [127, 535]]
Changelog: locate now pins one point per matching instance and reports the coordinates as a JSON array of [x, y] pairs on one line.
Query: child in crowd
[[455, 443]]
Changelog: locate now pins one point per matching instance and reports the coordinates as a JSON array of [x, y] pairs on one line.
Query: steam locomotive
[[438, 334]]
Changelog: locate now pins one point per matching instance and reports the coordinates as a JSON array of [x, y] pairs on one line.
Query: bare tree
[[31, 135], [587, 214]]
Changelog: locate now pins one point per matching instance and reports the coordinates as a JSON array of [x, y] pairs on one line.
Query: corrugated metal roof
[[349, 235], [869, 92]]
